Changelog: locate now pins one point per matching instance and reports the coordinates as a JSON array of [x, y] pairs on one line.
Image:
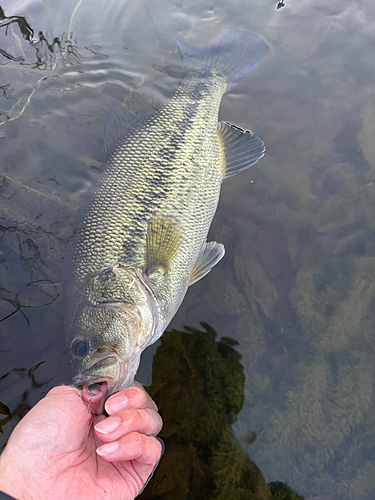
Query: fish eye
[[79, 348]]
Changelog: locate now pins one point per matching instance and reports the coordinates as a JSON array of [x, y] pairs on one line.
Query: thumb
[[60, 413], [64, 403]]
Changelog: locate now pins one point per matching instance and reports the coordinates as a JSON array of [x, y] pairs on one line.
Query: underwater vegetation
[[300, 301], [297, 292], [198, 383]]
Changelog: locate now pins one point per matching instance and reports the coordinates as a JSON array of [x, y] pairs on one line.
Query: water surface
[[294, 296]]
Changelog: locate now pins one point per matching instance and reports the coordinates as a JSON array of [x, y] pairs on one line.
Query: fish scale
[[171, 173], [142, 226]]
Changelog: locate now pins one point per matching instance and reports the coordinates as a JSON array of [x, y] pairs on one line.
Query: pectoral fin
[[241, 148], [208, 257], [164, 238]]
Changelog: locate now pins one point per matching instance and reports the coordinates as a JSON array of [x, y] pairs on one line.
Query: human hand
[[56, 453]]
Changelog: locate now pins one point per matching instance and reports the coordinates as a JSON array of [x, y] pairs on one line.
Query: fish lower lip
[[94, 397], [95, 388]]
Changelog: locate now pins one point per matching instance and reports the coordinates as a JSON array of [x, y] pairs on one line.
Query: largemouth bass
[[140, 233]]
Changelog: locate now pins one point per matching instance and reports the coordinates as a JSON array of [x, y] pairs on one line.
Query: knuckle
[[131, 418], [136, 396], [146, 421], [157, 422], [141, 395], [138, 440]]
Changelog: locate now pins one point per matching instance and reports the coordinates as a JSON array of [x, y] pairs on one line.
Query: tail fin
[[235, 56]]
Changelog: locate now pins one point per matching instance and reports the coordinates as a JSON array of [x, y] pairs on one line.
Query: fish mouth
[[101, 369], [94, 396], [104, 374], [98, 380]]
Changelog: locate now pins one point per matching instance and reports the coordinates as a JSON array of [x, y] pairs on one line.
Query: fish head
[[113, 324]]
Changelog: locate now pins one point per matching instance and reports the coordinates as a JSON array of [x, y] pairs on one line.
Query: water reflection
[[280, 4], [46, 51], [22, 257], [198, 383], [20, 411], [25, 29], [22, 407]]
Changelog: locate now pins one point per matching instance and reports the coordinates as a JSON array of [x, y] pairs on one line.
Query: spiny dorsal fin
[[164, 238], [241, 148], [208, 257], [115, 127]]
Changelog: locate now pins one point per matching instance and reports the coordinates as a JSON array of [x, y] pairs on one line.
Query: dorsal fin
[[241, 148], [116, 124], [208, 257]]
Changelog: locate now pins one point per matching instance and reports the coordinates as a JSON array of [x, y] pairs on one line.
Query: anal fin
[[164, 237], [241, 148], [208, 257]]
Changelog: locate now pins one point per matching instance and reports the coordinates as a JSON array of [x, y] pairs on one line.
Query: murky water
[[292, 301]]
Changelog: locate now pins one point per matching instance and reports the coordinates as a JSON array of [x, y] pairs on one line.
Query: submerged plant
[[199, 388]]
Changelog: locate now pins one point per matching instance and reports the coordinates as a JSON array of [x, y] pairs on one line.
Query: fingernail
[[117, 403], [107, 449], [108, 425]]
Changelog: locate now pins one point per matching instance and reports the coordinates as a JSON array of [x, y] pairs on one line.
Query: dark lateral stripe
[[163, 173]]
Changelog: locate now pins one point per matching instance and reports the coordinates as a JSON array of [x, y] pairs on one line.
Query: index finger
[[133, 397]]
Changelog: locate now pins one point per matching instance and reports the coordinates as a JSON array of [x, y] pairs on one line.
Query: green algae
[[198, 383]]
